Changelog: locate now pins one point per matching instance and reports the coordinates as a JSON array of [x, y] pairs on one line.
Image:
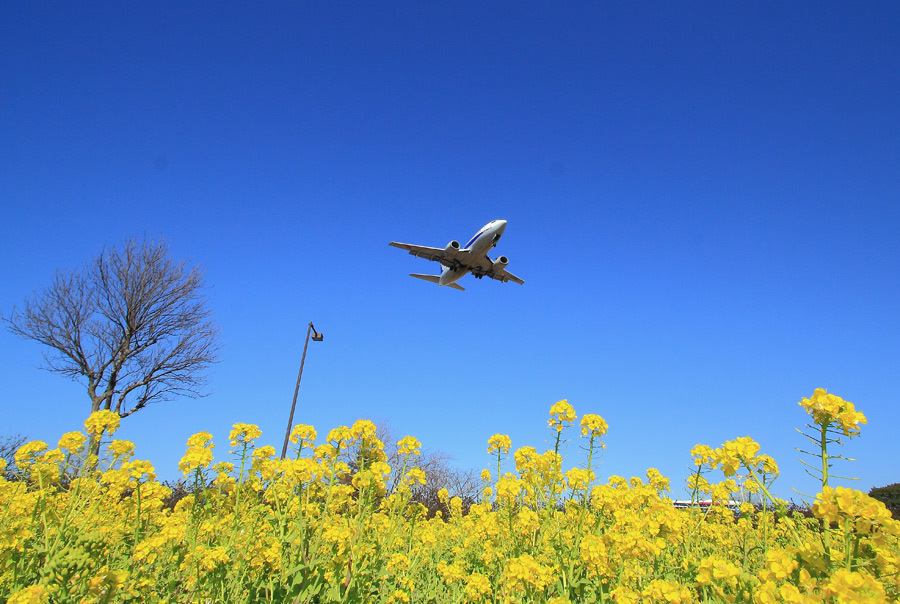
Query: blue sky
[[702, 199]]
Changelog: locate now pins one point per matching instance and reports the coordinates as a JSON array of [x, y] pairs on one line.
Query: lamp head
[[317, 336]]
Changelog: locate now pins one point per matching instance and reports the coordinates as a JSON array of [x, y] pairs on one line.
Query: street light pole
[[317, 337]]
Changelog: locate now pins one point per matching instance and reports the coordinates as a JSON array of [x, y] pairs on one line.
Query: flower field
[[334, 522]]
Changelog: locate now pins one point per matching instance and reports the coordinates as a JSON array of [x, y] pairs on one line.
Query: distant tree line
[[889, 496]]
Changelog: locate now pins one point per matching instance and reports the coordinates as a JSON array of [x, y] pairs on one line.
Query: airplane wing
[[485, 268], [504, 275], [429, 253]]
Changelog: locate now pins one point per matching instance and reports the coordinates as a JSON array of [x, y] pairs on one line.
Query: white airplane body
[[473, 258]]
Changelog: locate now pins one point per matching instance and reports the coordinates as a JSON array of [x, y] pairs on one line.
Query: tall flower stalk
[[832, 418]]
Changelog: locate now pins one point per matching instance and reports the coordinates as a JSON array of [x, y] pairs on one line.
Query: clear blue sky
[[702, 199]]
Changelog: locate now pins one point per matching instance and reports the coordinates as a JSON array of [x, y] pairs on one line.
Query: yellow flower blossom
[[562, 414], [478, 588], [779, 565], [27, 454], [579, 478], [121, 448], [243, 434], [662, 591], [840, 504], [499, 442], [594, 554], [36, 594], [702, 454], [340, 437], [827, 409], [508, 488], [714, 569], [199, 453], [409, 445], [303, 434], [657, 480], [416, 476], [363, 429], [73, 442], [593, 425], [854, 587], [100, 422]]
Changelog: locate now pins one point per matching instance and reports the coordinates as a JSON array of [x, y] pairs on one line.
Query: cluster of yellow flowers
[[329, 524], [826, 409]]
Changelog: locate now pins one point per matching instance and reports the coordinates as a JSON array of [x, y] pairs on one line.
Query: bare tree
[[132, 325], [8, 447], [438, 468]]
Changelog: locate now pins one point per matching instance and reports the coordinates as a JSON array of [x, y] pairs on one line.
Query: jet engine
[[500, 263], [452, 247]]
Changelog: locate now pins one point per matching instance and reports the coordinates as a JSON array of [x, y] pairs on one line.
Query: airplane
[[473, 258]]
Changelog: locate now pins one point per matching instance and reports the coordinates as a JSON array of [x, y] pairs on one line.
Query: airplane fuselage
[[479, 245]]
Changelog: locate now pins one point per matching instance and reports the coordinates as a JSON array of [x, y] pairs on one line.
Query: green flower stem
[[779, 507]]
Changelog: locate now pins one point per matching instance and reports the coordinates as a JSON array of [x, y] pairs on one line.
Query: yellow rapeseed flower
[[73, 442], [579, 479], [562, 414], [409, 445], [717, 570], [139, 469], [666, 592], [657, 480], [508, 488], [702, 454], [303, 434], [827, 409], [593, 425], [398, 596], [363, 429], [121, 448], [243, 434], [416, 476], [526, 571], [625, 595], [340, 437], [854, 587], [779, 565], [35, 594], [735, 453], [27, 453], [499, 442], [100, 422], [594, 554], [478, 588], [836, 504], [199, 453]]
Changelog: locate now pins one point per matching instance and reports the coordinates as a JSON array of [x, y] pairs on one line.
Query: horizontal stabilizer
[[435, 279], [432, 278]]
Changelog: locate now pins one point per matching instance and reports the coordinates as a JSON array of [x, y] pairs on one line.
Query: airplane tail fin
[[435, 279]]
